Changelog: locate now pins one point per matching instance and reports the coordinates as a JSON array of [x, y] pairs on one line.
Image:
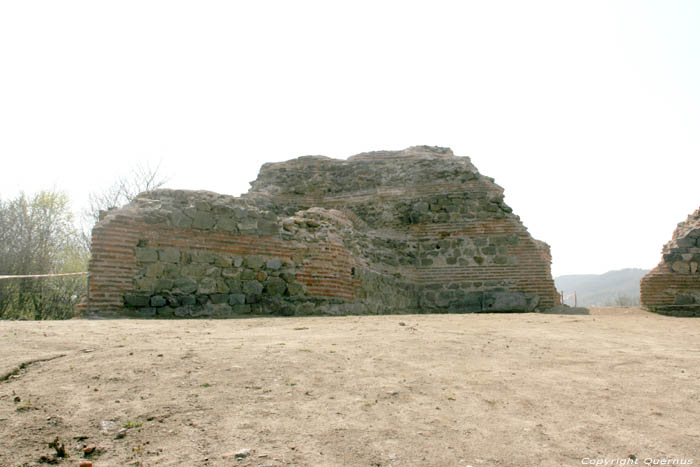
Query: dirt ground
[[403, 390]]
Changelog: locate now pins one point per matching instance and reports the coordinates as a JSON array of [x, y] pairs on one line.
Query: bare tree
[[142, 178]]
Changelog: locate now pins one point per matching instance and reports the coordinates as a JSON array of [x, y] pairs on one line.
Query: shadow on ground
[[567, 310]]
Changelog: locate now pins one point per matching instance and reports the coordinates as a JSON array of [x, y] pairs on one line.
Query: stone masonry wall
[[418, 230], [673, 287]]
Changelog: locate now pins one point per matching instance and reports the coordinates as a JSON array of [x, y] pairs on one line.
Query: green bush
[[38, 236]]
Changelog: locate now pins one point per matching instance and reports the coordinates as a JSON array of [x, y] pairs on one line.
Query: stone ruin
[[412, 231], [673, 287]]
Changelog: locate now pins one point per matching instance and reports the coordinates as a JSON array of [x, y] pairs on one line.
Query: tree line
[[40, 235]]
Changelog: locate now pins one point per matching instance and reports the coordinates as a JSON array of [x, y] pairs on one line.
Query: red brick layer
[[660, 286]]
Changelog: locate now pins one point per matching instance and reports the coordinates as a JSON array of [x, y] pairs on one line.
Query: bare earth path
[[441, 390]]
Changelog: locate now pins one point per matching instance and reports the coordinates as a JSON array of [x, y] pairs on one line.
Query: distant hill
[[612, 288]]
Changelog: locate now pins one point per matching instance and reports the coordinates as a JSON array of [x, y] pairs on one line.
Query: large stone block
[[252, 287], [158, 301], [236, 299], [686, 242], [146, 254], [136, 300], [184, 285], [169, 255], [203, 220], [505, 301], [227, 224], [275, 286], [254, 262], [207, 286], [470, 302]]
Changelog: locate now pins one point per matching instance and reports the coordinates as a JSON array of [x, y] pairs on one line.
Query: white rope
[[44, 275]]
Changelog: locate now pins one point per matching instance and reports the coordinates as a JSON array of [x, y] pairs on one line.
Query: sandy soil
[[411, 390]]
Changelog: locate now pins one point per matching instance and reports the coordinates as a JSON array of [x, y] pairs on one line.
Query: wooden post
[[88, 294]]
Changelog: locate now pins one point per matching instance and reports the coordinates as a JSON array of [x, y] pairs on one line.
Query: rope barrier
[[26, 276]]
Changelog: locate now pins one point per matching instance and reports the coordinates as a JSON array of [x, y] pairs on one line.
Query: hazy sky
[[587, 113]]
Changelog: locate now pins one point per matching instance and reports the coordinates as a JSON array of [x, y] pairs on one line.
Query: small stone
[[273, 264], [242, 453], [121, 433], [107, 425], [85, 464]]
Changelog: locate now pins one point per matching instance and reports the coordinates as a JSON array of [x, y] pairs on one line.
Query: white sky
[[587, 113]]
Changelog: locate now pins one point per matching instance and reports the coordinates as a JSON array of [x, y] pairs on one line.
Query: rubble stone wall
[[673, 287], [418, 230]]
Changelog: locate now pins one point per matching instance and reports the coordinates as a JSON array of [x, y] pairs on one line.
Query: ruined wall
[[418, 230], [673, 287]]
